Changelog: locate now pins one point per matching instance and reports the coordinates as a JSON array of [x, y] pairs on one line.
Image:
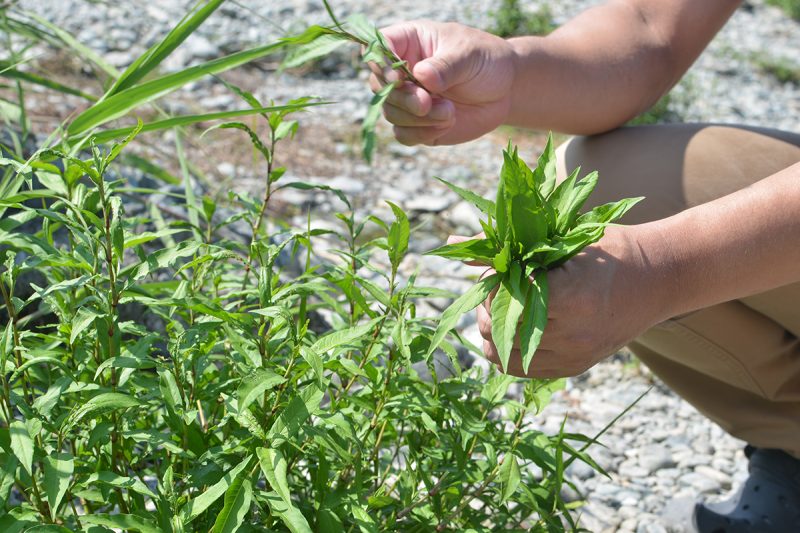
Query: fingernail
[[441, 111]]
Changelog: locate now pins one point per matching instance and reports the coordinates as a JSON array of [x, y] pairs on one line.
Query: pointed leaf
[[274, 467], [534, 319], [198, 505], [506, 311], [292, 518], [466, 302], [58, 469], [486, 206], [255, 384], [237, 504], [22, 444], [509, 476]]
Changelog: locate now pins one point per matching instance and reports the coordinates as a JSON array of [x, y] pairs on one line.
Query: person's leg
[[737, 362]]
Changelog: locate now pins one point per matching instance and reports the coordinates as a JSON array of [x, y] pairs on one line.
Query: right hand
[[467, 75]]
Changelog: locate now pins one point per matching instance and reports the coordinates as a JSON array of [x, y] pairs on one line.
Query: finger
[[490, 352], [419, 102], [455, 239], [400, 117], [484, 323], [428, 135]]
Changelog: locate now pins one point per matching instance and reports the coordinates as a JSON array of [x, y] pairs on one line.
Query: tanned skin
[[589, 76]]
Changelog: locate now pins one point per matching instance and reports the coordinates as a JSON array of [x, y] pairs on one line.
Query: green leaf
[[58, 469], [187, 120], [294, 415], [609, 212], [502, 259], [324, 42], [100, 404], [534, 319], [398, 236], [121, 482], [343, 337], [255, 384], [368, 136], [22, 445], [544, 175], [198, 505], [468, 301], [126, 522], [509, 476], [237, 504], [122, 102], [571, 203], [309, 186], [484, 205], [292, 518], [7, 71], [506, 311], [156, 54], [274, 467], [482, 250]]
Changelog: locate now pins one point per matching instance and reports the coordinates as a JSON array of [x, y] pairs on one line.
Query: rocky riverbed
[[662, 455]]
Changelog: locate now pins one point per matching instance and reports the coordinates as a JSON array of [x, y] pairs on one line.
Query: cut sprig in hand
[[319, 41], [534, 225]]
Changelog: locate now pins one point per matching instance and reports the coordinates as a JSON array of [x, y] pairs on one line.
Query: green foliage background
[[160, 375]]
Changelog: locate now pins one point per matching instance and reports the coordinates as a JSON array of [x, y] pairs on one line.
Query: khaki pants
[[738, 362]]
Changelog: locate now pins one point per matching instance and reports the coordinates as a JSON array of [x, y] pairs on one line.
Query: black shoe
[[768, 502]]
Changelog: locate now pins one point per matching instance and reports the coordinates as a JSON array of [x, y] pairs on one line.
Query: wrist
[[660, 260], [522, 50]]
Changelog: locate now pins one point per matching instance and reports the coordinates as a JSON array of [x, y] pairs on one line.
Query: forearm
[[739, 245], [610, 63]]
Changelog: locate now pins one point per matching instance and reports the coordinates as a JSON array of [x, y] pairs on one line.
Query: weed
[[511, 21], [159, 374]]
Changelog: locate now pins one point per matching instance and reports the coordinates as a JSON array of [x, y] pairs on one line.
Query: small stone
[[430, 203], [631, 469], [655, 457], [722, 478], [703, 484], [347, 185], [649, 524]]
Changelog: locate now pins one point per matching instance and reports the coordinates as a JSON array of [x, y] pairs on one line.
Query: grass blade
[[154, 56], [122, 102], [188, 120]]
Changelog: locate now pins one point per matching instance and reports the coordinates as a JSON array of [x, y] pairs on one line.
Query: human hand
[[466, 74], [599, 301]]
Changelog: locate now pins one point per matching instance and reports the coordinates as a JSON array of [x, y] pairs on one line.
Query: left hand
[[600, 300]]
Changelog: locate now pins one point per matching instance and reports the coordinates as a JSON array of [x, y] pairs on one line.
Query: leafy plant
[[160, 372], [511, 21], [533, 226], [782, 70], [790, 7], [318, 41]]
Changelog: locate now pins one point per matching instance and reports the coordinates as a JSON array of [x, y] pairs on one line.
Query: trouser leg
[[737, 362]]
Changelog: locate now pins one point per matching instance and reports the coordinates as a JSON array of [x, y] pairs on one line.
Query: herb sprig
[[534, 225], [319, 41]]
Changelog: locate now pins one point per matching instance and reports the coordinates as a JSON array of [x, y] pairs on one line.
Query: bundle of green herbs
[[534, 225]]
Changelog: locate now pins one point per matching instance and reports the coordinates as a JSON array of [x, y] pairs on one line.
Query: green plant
[[534, 225], [511, 21], [790, 7], [160, 375], [782, 70]]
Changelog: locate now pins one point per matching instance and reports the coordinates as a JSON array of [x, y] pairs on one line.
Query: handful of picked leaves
[[533, 225]]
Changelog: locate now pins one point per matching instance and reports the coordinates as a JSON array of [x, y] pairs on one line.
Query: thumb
[[442, 71], [455, 239]]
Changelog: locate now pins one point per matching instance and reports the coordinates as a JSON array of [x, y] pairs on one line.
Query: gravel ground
[[663, 454]]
